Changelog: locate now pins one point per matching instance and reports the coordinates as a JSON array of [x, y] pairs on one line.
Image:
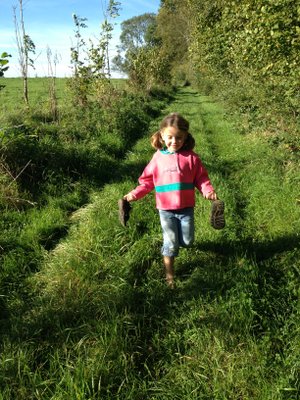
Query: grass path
[[103, 324]]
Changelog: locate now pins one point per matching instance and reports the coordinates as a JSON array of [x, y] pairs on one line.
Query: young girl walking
[[174, 171]]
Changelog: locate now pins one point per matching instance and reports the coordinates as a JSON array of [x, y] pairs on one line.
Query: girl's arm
[[145, 186], [202, 181]]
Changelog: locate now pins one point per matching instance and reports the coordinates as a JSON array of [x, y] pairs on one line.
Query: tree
[[92, 70], [149, 68], [52, 85], [110, 12], [137, 32], [174, 29], [174, 26], [80, 82], [96, 63], [80, 43], [25, 47], [249, 41]]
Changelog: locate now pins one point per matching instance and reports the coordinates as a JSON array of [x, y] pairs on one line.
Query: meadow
[[38, 92], [84, 309]]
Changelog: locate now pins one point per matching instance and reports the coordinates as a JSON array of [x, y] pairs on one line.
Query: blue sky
[[49, 23]]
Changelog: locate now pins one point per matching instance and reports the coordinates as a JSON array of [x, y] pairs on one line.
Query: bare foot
[[170, 281]]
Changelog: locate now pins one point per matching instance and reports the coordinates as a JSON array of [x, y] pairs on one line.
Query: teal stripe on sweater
[[174, 186]]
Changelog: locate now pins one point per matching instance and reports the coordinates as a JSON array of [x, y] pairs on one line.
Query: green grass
[[93, 318], [38, 92], [11, 96]]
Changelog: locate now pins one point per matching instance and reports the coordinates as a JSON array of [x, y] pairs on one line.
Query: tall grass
[[94, 318]]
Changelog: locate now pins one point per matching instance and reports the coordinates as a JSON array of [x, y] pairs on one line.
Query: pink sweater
[[174, 177]]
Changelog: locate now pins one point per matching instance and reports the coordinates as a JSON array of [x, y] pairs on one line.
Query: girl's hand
[[129, 197], [211, 196]]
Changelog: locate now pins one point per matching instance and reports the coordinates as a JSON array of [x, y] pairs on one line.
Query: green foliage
[[25, 46], [47, 172], [29, 47], [85, 312], [3, 63], [149, 68], [111, 12], [267, 43], [80, 43], [173, 29], [137, 32], [96, 65], [239, 39], [97, 60], [236, 49]]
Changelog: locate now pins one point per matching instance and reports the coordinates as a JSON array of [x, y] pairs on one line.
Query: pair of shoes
[[217, 217], [124, 210]]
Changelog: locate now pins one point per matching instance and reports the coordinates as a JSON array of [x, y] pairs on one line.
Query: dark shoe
[[124, 210], [217, 218]]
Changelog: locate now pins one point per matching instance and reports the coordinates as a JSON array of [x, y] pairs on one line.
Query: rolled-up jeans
[[178, 230]]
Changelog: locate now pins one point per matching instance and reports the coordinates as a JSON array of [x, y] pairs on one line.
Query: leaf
[[5, 55]]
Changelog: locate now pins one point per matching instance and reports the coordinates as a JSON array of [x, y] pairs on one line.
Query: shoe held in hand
[[217, 217], [124, 210]]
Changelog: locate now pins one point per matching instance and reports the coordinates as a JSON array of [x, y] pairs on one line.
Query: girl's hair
[[177, 121]]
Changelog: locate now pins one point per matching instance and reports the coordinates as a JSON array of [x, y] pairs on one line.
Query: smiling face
[[174, 138]]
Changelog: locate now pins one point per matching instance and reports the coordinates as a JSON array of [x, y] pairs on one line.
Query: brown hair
[[177, 121]]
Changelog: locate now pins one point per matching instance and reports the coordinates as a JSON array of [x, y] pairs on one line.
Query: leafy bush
[[150, 67]]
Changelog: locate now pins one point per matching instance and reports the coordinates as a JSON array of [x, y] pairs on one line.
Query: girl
[[174, 171]]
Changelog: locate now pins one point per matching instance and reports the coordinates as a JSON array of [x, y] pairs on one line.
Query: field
[[85, 311], [38, 91]]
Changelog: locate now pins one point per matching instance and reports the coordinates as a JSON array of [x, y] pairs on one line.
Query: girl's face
[[174, 138]]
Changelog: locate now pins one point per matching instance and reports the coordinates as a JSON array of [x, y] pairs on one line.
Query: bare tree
[[110, 11], [52, 84], [25, 47], [79, 45]]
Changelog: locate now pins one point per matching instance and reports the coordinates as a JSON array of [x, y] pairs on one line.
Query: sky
[[49, 24]]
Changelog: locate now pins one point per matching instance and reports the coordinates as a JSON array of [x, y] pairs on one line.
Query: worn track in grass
[[103, 325]]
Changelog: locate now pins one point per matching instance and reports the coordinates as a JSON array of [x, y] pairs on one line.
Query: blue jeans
[[178, 230]]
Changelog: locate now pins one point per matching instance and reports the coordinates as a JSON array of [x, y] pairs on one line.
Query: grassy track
[[98, 322]]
